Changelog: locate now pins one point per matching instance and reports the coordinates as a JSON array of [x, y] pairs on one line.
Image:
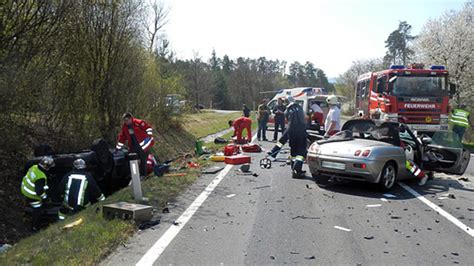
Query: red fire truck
[[413, 95]]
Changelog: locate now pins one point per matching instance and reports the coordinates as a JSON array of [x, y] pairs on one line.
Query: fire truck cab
[[412, 95]]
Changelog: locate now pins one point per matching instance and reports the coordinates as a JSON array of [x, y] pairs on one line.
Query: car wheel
[[320, 179], [388, 176]]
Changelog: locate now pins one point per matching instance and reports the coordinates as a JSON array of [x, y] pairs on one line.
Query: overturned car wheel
[[388, 176]]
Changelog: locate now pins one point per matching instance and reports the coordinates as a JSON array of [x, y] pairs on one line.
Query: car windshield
[[366, 129], [418, 86], [446, 139]]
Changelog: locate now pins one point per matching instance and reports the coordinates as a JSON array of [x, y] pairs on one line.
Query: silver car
[[363, 151]]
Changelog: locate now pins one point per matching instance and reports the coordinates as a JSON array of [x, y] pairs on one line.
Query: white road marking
[[342, 228], [442, 212], [162, 243]]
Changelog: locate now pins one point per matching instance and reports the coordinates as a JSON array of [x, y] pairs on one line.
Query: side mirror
[[426, 140], [452, 89]]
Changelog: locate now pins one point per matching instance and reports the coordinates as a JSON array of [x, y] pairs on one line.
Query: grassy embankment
[[96, 237]]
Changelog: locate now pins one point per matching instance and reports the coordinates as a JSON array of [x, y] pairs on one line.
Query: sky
[[329, 33]]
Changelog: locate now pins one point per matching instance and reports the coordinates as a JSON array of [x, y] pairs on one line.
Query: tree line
[[447, 40], [225, 83]]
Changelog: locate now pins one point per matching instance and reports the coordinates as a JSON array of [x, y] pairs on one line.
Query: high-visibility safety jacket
[[143, 133], [80, 189], [34, 184], [460, 117], [414, 169]]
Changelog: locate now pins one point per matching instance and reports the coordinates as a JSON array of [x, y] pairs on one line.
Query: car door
[[446, 154]]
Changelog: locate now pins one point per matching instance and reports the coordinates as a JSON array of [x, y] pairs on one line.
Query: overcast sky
[[329, 33]]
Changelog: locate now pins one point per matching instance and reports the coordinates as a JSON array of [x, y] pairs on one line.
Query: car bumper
[[326, 165]]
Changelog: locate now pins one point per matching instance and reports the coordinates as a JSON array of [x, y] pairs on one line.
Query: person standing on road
[[297, 137], [139, 136], [460, 120], [79, 189], [279, 112], [239, 125], [332, 125], [262, 118], [34, 188], [245, 110]]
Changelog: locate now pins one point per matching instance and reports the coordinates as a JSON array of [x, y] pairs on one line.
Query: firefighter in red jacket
[[138, 134], [239, 125]]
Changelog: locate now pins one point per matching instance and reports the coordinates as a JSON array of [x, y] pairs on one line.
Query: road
[[274, 219]]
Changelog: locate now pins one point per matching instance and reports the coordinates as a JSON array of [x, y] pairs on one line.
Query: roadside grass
[[96, 237], [207, 122]]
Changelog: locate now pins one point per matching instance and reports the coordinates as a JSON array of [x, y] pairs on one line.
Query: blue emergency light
[[437, 67], [397, 67]]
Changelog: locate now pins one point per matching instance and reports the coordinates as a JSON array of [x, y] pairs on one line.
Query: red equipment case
[[237, 159]]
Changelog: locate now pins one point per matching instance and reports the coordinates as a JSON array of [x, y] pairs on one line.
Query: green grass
[[95, 238], [207, 122]]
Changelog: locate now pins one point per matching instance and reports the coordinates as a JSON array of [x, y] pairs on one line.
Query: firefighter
[[279, 112], [79, 189], [34, 187], [239, 125], [417, 172], [332, 125], [139, 136], [297, 137], [280, 143], [460, 120]]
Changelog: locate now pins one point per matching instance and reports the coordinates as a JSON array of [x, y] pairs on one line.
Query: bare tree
[[155, 19]]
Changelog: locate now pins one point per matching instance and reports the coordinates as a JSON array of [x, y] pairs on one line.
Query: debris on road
[[255, 174], [310, 258], [465, 179], [395, 217], [304, 217], [308, 187], [294, 253], [329, 196], [212, 170], [373, 205], [455, 253], [387, 195], [260, 187], [272, 257], [384, 199], [230, 196], [369, 237], [446, 196], [149, 224], [342, 228], [176, 223], [166, 210]]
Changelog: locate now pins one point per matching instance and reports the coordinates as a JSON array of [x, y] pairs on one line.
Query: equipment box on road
[[237, 159], [128, 211]]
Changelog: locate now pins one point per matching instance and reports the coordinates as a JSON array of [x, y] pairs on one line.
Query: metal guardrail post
[[135, 171]]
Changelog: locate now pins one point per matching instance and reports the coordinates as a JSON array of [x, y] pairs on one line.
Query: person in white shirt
[[316, 114], [332, 125]]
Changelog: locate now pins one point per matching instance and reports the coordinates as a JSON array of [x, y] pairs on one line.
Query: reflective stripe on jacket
[[460, 117], [143, 133], [28, 184]]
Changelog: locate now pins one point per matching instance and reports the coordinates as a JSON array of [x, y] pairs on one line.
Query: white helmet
[[332, 99], [79, 164], [47, 162]]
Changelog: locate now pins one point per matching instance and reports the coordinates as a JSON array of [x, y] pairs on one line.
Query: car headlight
[[315, 149]]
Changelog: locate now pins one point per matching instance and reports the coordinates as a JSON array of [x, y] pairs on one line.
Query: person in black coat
[[279, 112]]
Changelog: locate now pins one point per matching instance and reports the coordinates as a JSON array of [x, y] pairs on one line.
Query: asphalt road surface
[[230, 218]]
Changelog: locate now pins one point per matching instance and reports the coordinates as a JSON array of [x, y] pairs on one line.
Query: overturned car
[[363, 151], [109, 167]]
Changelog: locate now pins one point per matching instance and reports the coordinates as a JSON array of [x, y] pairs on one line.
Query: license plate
[[334, 165]]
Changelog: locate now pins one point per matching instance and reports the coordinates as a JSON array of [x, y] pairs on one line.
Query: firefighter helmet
[[46, 162], [79, 164], [331, 99]]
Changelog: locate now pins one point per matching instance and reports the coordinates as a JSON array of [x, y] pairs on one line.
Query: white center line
[[162, 243], [442, 212]]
